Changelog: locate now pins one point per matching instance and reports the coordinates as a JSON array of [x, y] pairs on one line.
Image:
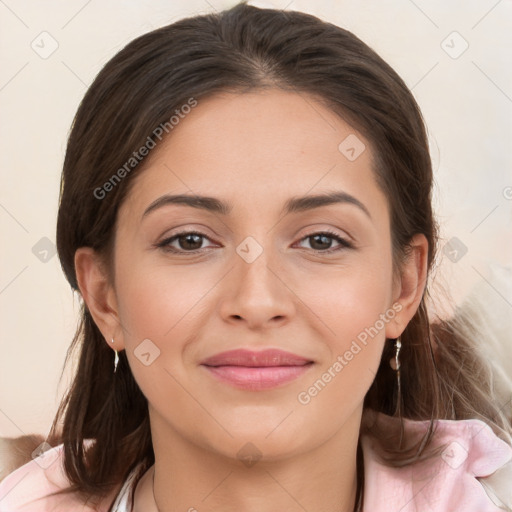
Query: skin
[[255, 150]]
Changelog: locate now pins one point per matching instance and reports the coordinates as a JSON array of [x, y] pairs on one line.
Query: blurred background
[[454, 56]]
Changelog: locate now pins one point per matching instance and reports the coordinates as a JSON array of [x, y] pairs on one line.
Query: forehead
[[257, 148]]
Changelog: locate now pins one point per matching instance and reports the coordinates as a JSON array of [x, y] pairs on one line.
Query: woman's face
[[258, 275]]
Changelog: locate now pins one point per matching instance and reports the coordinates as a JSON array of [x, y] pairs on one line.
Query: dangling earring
[[116, 358], [395, 364]]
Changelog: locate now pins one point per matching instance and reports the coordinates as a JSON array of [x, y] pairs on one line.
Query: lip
[[249, 370], [262, 358]]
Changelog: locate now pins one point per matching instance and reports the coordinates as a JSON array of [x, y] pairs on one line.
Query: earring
[[116, 358], [395, 361], [395, 364]]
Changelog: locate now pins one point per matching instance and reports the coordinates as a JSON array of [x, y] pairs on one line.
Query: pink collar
[[447, 482]]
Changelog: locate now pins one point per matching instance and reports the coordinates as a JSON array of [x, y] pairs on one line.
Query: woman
[[246, 211]]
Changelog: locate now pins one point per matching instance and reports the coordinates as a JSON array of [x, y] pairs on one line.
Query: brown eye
[[188, 241], [322, 242]]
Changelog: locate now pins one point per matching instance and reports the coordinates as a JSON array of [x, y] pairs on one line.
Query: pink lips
[[251, 370]]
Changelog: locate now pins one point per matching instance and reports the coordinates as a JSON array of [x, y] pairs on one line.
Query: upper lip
[[244, 357]]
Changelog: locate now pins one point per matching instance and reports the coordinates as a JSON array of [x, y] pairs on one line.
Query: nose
[[257, 293]]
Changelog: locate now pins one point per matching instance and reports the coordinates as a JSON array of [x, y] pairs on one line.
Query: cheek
[[353, 309], [348, 300], [158, 308], [353, 314], [154, 299]]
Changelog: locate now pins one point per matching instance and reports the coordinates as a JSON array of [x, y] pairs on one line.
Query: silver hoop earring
[[116, 358]]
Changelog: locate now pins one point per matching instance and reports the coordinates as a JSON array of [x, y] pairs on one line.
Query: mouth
[[256, 371]]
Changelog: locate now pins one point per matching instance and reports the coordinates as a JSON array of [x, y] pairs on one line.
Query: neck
[[191, 478]]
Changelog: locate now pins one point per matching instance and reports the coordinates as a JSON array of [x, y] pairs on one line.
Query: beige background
[[466, 101]]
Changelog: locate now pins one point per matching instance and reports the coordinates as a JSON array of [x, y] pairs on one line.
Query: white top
[[123, 501]]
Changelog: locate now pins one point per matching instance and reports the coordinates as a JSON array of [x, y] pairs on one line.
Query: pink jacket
[[458, 480]]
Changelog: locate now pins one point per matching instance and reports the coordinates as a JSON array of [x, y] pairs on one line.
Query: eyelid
[[317, 228]]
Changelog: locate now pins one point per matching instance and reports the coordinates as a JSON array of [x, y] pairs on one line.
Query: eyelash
[[164, 244]]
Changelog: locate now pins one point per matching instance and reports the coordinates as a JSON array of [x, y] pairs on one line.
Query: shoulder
[[470, 472], [29, 488]]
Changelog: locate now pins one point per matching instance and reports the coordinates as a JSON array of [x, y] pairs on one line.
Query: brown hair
[[240, 49]]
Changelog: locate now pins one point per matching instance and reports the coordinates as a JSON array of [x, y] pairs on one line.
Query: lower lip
[[257, 378]]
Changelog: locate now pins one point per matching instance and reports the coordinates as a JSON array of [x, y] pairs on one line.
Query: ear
[[409, 287], [98, 294]]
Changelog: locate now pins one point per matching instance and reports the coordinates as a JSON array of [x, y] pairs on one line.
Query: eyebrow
[[293, 205]]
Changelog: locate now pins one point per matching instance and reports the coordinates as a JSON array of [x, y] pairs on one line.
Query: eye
[[188, 242], [191, 242], [322, 242]]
